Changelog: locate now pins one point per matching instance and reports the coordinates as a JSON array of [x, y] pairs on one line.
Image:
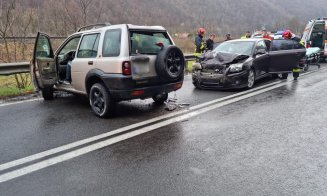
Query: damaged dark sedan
[[239, 63]]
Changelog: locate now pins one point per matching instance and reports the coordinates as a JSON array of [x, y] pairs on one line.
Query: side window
[[268, 43], [261, 45], [287, 45], [89, 46], [71, 45], [43, 48], [111, 43], [281, 45]]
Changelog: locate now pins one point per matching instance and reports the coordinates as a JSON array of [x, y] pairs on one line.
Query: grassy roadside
[[8, 88]]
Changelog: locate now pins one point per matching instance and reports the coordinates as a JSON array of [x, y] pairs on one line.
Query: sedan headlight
[[197, 66], [236, 68]]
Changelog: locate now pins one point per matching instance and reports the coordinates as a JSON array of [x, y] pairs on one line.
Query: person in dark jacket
[[199, 43], [210, 42], [228, 37]]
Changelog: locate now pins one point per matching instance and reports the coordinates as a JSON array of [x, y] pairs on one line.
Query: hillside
[[219, 16]]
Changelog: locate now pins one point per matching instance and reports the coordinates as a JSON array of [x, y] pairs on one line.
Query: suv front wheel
[[100, 101], [47, 93]]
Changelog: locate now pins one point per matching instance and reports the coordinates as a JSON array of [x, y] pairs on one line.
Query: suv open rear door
[[43, 67], [285, 55]]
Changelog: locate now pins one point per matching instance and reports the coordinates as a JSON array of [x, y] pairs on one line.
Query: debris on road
[[172, 104]]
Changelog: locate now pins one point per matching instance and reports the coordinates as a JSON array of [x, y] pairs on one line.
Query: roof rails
[[93, 26]]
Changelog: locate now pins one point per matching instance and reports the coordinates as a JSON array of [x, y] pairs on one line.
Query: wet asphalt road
[[273, 143]]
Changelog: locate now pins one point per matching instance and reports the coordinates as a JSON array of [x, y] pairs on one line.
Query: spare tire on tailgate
[[170, 63]]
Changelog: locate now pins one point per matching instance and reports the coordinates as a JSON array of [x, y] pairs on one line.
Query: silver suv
[[110, 63]]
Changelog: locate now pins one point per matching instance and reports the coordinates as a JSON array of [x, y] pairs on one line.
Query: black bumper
[[220, 81], [125, 88]]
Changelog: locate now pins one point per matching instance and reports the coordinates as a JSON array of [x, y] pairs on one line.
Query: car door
[[284, 57], [43, 67], [85, 60], [261, 59]]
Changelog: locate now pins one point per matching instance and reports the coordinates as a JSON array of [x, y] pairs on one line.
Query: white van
[[314, 35]]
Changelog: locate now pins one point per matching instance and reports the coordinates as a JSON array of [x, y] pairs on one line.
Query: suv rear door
[[144, 49], [85, 60], [43, 67], [285, 55]]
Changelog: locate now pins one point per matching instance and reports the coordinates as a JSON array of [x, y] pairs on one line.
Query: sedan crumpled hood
[[220, 60]]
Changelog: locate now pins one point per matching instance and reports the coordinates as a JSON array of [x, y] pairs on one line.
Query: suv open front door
[[43, 67]]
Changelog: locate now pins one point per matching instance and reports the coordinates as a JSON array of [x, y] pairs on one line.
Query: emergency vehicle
[[314, 35]]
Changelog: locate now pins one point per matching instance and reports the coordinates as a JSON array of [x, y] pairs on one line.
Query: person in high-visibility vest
[[287, 34], [247, 35], [199, 42]]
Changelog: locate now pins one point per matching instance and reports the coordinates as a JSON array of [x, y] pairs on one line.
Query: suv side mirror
[[261, 51]]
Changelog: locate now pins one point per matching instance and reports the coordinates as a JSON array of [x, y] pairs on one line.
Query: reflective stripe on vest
[[296, 70]]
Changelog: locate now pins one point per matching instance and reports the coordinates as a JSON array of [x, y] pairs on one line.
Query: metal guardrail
[[189, 57], [7, 69]]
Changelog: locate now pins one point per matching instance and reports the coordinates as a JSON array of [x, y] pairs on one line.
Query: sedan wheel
[[251, 78]]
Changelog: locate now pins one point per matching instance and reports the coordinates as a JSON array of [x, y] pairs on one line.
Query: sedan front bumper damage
[[220, 81]]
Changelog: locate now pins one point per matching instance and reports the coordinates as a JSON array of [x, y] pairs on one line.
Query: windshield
[[241, 47], [145, 42]]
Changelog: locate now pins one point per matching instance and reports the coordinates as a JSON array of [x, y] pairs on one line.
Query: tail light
[[127, 68], [178, 86], [308, 45]]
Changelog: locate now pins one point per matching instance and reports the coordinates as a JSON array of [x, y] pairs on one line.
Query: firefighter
[[247, 35], [199, 42], [288, 35]]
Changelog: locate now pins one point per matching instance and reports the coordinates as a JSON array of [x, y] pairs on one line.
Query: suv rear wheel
[[100, 101]]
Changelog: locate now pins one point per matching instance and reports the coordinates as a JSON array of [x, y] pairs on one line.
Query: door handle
[[90, 63]]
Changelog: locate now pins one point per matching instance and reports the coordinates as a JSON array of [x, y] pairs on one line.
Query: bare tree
[[7, 19], [84, 5]]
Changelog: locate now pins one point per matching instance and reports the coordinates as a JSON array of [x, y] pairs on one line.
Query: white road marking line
[[46, 153], [18, 102], [120, 130], [75, 153]]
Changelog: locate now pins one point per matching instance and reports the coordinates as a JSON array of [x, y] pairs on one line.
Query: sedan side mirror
[[261, 51]]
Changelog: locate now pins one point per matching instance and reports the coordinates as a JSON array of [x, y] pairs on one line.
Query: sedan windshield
[[241, 47]]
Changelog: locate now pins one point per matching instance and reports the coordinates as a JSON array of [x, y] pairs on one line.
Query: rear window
[[144, 42]]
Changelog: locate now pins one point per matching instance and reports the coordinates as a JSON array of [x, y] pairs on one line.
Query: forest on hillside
[[61, 17]]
